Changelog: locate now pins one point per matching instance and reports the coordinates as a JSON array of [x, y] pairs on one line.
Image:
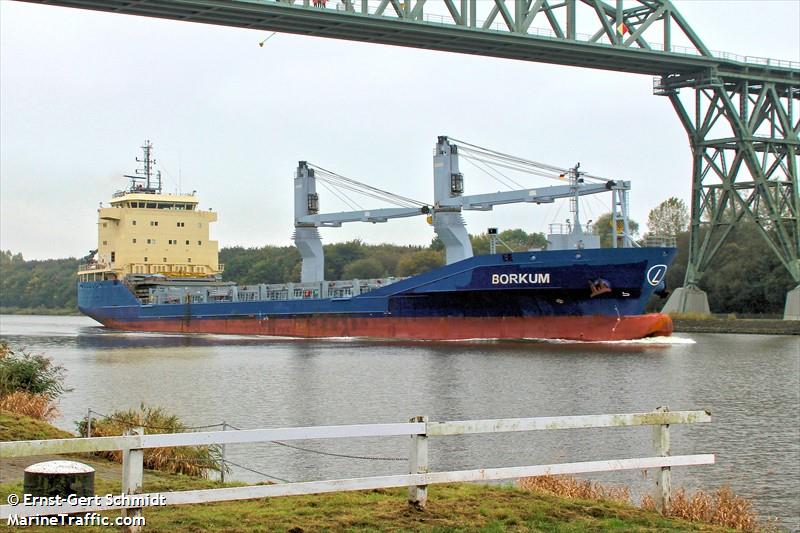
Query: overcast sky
[[80, 91]]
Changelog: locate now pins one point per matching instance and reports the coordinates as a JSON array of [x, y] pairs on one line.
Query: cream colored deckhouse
[[148, 232]]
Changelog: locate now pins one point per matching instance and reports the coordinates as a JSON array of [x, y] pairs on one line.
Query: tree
[[419, 262], [516, 239], [603, 227], [365, 268], [668, 218], [339, 255]]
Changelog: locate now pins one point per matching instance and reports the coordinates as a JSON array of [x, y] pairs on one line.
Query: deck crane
[[449, 201]]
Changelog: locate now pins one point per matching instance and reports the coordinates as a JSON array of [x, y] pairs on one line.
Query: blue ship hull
[[590, 294]]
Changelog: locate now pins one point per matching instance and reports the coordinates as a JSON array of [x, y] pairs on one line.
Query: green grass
[[21, 427], [692, 316], [451, 508]]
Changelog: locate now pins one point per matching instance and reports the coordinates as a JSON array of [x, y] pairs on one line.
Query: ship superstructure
[[146, 232]]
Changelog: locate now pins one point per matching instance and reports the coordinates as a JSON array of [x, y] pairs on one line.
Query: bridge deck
[[386, 28]]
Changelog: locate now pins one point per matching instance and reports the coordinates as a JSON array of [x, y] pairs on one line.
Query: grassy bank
[[461, 507], [57, 311]]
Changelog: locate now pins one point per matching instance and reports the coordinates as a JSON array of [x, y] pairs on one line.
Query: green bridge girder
[[498, 28], [742, 120]]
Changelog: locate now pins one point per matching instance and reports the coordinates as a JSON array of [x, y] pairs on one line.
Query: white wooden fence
[[418, 478]]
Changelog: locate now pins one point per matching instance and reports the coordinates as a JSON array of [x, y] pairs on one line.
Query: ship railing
[[567, 229], [167, 295], [93, 266], [660, 241], [420, 429]]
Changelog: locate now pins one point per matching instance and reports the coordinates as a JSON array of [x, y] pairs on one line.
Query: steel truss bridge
[[741, 114]]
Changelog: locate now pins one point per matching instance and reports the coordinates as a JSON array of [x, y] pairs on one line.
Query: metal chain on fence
[[224, 460]]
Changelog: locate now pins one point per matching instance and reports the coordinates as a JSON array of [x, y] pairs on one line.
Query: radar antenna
[[146, 180]]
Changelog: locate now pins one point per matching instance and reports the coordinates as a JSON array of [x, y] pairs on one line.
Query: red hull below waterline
[[581, 328]]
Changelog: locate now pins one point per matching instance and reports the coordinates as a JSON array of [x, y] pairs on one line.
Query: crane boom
[[335, 220], [541, 195], [449, 202]]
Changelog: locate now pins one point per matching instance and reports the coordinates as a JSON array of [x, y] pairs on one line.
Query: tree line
[[746, 276]]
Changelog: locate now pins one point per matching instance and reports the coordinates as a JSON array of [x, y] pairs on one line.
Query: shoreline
[[747, 326]]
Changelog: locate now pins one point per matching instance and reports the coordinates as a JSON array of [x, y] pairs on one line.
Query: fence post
[[418, 464], [132, 473], [222, 470], [664, 475], [89, 424]]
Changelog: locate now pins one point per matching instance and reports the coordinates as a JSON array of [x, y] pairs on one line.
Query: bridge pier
[[690, 299], [792, 309]]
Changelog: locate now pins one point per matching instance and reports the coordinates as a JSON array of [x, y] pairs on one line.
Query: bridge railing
[[419, 429]]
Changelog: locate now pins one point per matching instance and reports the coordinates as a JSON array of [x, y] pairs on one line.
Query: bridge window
[[181, 224], [187, 242], [145, 259], [199, 243], [154, 222], [113, 256], [133, 222], [134, 241], [189, 260]]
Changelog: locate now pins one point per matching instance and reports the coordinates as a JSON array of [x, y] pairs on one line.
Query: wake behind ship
[[155, 269]]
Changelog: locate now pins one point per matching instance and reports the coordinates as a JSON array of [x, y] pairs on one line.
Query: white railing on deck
[[418, 478]]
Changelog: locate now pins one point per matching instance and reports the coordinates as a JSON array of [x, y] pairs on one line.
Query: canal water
[[750, 383]]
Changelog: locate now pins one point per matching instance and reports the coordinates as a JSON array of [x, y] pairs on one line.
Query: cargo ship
[[156, 270]]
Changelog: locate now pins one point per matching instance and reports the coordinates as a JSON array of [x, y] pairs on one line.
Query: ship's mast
[[146, 179], [575, 180]]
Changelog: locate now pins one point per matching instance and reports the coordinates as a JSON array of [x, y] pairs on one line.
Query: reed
[[36, 406], [570, 487], [721, 507], [188, 460]]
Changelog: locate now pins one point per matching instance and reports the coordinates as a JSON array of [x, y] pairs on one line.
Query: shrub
[[188, 460], [32, 373], [29, 383]]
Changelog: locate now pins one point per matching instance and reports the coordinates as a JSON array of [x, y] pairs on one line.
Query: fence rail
[[418, 478]]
